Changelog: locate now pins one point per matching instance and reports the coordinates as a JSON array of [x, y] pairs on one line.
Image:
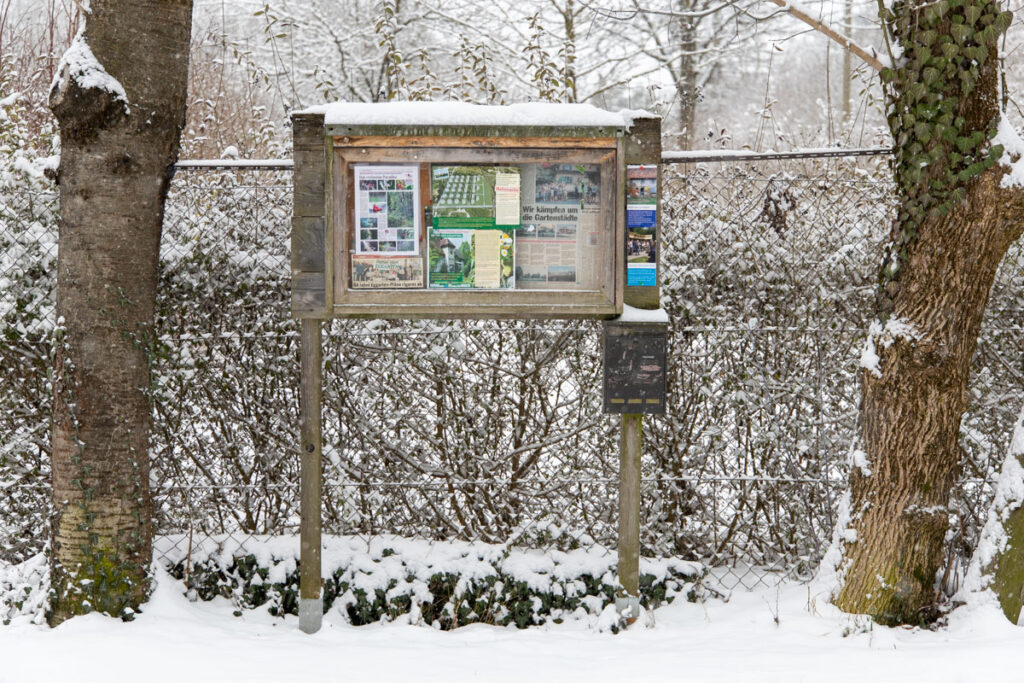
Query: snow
[[640, 315], [371, 563], [465, 114], [1013, 154], [766, 635], [236, 163], [859, 459], [1009, 495], [746, 154], [895, 328], [83, 67], [869, 358], [829, 578]]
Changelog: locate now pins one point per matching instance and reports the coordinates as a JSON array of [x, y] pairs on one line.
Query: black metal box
[[635, 356]]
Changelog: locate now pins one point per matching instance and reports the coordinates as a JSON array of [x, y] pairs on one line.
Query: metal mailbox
[[635, 358]]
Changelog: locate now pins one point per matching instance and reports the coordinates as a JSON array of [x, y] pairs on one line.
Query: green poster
[[465, 197]]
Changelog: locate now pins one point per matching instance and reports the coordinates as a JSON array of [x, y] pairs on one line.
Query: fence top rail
[[694, 156], [235, 164]]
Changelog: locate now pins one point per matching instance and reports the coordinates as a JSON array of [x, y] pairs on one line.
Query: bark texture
[[955, 225], [116, 164], [910, 416]]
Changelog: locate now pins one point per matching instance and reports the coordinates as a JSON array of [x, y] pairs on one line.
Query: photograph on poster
[[558, 243], [489, 194], [641, 226], [567, 184], [451, 258], [466, 259], [387, 199], [641, 185], [400, 209], [374, 272]]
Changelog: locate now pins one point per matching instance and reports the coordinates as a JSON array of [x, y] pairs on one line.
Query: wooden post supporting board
[[635, 354], [311, 602], [628, 604]]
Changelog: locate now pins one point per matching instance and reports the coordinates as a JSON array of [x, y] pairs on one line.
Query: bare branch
[[845, 42], [820, 26]]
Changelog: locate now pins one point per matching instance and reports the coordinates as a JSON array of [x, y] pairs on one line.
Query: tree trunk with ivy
[[120, 106], [955, 223]]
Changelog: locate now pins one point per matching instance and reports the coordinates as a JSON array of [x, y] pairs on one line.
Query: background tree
[[120, 104], [690, 40]]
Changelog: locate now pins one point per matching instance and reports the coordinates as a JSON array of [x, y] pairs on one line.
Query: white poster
[[387, 210]]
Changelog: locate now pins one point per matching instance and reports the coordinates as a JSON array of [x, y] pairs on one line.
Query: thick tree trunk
[[955, 224], [911, 409], [116, 158]]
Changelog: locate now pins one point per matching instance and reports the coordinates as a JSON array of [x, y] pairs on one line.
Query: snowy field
[[764, 635]]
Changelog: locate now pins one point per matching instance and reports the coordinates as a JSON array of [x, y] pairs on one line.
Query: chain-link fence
[[493, 430]]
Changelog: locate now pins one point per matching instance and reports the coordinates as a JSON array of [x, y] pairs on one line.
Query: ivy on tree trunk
[[955, 223]]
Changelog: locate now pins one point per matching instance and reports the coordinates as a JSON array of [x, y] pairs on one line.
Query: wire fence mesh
[[493, 430]]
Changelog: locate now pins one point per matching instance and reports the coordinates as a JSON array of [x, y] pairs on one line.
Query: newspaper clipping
[[557, 244]]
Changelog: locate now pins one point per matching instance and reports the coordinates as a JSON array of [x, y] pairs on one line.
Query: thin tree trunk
[[115, 168], [847, 66], [686, 86], [569, 43]]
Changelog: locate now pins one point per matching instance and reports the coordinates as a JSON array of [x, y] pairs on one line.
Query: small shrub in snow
[[438, 584], [24, 589]]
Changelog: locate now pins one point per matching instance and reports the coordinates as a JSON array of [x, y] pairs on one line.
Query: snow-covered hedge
[[438, 584], [24, 589]]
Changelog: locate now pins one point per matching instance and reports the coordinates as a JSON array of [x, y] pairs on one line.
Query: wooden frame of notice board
[[506, 222], [338, 273]]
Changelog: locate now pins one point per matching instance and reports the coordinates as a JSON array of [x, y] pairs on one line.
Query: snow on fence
[[492, 431]]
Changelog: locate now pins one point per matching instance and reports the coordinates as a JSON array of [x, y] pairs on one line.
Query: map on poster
[[387, 210], [479, 197]]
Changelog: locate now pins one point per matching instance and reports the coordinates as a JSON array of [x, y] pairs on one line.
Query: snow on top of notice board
[[465, 114]]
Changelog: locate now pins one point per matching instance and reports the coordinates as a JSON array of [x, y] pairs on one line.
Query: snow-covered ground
[[765, 635]]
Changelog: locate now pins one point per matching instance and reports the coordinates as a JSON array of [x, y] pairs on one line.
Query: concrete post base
[[311, 614]]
